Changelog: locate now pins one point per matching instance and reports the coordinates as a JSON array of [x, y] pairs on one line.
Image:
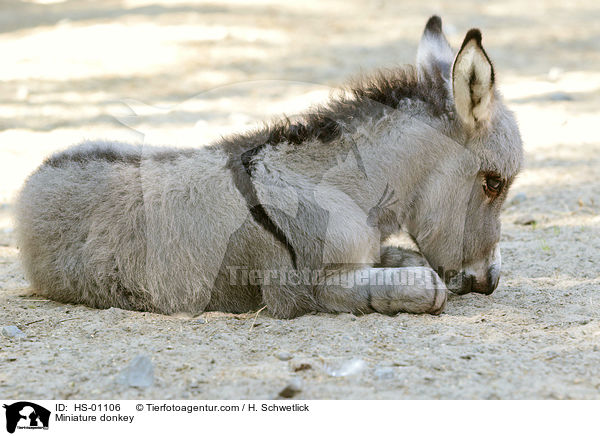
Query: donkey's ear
[[473, 81], [434, 52]]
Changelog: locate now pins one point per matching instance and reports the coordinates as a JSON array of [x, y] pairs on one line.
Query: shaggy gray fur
[[291, 216]]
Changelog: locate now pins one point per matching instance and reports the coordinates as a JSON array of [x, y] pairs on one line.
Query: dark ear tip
[[434, 24], [473, 34]]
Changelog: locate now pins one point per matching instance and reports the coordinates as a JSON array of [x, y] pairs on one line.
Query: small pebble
[[284, 355], [139, 373], [350, 367], [12, 331], [293, 388], [384, 373]]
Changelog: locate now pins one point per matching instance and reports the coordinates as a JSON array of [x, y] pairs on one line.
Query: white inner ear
[[472, 84]]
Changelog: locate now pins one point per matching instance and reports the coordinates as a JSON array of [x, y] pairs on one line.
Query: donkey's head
[[455, 220]]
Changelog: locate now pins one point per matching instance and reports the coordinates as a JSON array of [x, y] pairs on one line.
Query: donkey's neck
[[399, 151], [383, 160]]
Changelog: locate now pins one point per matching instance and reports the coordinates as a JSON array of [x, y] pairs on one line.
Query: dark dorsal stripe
[[106, 153], [116, 152]]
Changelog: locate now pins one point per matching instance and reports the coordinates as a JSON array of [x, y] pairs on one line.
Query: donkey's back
[[111, 224]]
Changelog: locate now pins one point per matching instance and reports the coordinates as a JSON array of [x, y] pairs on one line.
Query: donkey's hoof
[[419, 300], [439, 302]]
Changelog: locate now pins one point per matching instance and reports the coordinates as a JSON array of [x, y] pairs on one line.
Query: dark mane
[[391, 88], [370, 95]]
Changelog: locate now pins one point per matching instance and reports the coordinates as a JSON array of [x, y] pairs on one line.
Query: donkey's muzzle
[[481, 277], [466, 283]]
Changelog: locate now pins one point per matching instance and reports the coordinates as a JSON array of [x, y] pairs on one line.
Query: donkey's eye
[[493, 185]]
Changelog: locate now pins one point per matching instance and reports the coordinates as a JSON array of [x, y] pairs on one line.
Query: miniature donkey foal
[[291, 216]]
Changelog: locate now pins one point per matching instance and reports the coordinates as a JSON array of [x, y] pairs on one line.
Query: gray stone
[[347, 368], [384, 373], [139, 373], [284, 355], [12, 331]]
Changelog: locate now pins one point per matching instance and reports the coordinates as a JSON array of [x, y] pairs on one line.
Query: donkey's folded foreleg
[[396, 257], [384, 290]]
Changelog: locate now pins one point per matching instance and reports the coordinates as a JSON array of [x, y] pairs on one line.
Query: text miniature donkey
[[291, 216]]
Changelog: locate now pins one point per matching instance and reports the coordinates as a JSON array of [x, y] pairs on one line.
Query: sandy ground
[[185, 73]]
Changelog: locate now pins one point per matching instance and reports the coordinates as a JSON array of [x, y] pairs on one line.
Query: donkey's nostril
[[461, 283], [468, 282]]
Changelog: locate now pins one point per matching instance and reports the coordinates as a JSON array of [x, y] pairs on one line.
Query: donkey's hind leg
[[415, 289]]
